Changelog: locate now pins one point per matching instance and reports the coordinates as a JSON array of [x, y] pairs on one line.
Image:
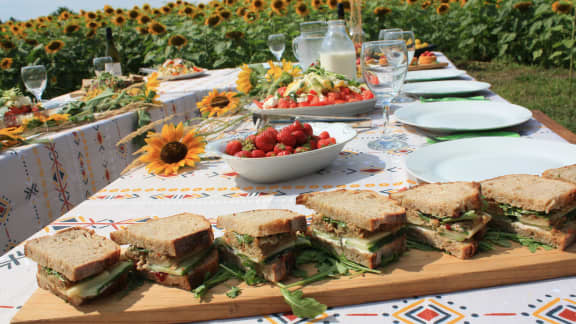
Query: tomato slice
[[259, 104], [315, 101], [283, 103], [281, 91]]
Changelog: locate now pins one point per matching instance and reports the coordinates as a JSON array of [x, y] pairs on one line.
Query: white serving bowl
[[280, 168]]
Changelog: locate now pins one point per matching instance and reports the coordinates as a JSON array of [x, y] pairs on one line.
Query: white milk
[[339, 62]]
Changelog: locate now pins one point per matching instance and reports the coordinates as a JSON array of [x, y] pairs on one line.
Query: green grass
[[533, 87]]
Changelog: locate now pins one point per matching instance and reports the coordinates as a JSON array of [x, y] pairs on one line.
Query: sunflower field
[[227, 33]]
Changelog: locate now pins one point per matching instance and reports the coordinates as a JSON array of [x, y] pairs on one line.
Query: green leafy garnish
[[411, 244], [338, 223], [503, 239], [220, 276], [244, 239], [233, 292], [512, 211], [52, 272], [302, 307]]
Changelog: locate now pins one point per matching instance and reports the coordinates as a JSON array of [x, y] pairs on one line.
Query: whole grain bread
[[51, 283], [448, 199], [174, 235], [462, 250], [76, 253], [363, 208], [567, 173], [189, 281], [558, 238], [529, 192], [263, 222]]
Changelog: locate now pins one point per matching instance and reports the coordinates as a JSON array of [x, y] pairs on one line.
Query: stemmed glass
[[384, 65], [100, 63], [384, 31], [34, 78], [408, 37], [277, 44]]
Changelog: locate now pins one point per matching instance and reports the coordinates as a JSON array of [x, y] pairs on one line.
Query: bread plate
[[344, 109], [481, 158], [442, 88], [431, 75], [281, 168]]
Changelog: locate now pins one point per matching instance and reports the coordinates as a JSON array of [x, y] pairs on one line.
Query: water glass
[[384, 65], [384, 31], [408, 37], [34, 78], [277, 44], [307, 46], [100, 63]]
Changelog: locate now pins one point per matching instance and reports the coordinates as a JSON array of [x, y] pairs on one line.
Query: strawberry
[[258, 154], [308, 129], [251, 138], [284, 153], [324, 135], [300, 136], [270, 154], [296, 125], [271, 130], [332, 140], [282, 147], [243, 154], [285, 137], [313, 144], [324, 142], [233, 147], [301, 149], [265, 141]]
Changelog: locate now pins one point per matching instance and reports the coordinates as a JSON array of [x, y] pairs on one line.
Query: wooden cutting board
[[427, 66], [417, 273]]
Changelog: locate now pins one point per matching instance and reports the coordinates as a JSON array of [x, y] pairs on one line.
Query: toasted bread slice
[[54, 285], [448, 199], [189, 281], [558, 238], [276, 270], [567, 173], [363, 208], [462, 250], [263, 222], [76, 253], [530, 192], [174, 236]]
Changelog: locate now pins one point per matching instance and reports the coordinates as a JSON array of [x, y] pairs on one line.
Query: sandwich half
[[528, 205], [77, 265], [262, 240], [447, 216], [567, 173], [363, 226], [173, 251]]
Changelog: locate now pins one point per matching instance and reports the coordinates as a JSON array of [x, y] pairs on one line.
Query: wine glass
[[100, 63], [384, 31], [408, 37], [277, 44], [34, 78], [384, 65]]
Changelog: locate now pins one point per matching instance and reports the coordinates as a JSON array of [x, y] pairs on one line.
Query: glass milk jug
[[307, 46], [337, 53]]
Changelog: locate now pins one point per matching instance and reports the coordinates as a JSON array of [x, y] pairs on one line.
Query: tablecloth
[[40, 182], [214, 189]]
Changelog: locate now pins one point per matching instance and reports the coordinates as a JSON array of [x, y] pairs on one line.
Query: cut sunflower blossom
[[219, 104], [256, 81]]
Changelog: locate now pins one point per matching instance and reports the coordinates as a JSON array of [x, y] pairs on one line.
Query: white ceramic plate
[[430, 75], [442, 88], [460, 116], [481, 158], [183, 76], [280, 168], [345, 109]]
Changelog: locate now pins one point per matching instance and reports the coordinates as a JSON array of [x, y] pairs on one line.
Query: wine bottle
[[341, 11], [110, 47]]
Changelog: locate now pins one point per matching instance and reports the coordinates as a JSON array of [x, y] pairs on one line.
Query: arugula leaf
[[512, 211], [244, 239], [338, 223], [503, 238], [410, 244], [220, 276], [52, 272], [233, 292], [302, 307]]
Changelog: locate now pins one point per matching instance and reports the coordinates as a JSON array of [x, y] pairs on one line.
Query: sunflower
[[523, 5], [225, 14], [11, 136], [92, 25], [411, 2], [562, 7], [241, 11], [213, 20], [244, 81], [152, 84], [278, 6], [199, 15], [214, 4], [90, 34], [463, 3], [171, 5], [302, 9], [144, 20], [345, 4], [250, 16], [119, 11], [274, 72], [156, 12], [133, 14], [201, 6], [108, 10], [90, 15], [118, 20], [166, 10], [54, 46], [218, 103], [103, 24], [15, 29], [426, 4], [187, 11], [40, 19], [332, 4], [28, 24], [58, 118], [142, 30], [317, 4], [6, 63], [64, 15], [257, 5], [156, 28], [146, 7], [443, 9], [230, 2], [171, 150], [41, 27], [71, 28], [49, 18], [31, 41], [178, 41], [7, 44], [382, 11], [235, 35]]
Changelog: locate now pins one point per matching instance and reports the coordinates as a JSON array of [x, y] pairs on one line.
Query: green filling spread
[[469, 215], [244, 238], [332, 221], [184, 266], [94, 286], [515, 212], [375, 246]]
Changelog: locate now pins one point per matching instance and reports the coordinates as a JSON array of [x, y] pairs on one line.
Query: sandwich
[[174, 251], [567, 173], [447, 216], [77, 265], [534, 207], [261, 240], [363, 226]]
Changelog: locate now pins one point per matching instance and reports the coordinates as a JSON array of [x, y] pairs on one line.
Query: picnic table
[[214, 189]]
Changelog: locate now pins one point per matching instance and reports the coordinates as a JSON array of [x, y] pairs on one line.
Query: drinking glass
[[34, 78], [384, 31], [384, 65], [100, 63], [408, 37], [277, 44]]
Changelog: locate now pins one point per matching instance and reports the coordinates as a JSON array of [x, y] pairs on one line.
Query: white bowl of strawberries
[[273, 155]]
